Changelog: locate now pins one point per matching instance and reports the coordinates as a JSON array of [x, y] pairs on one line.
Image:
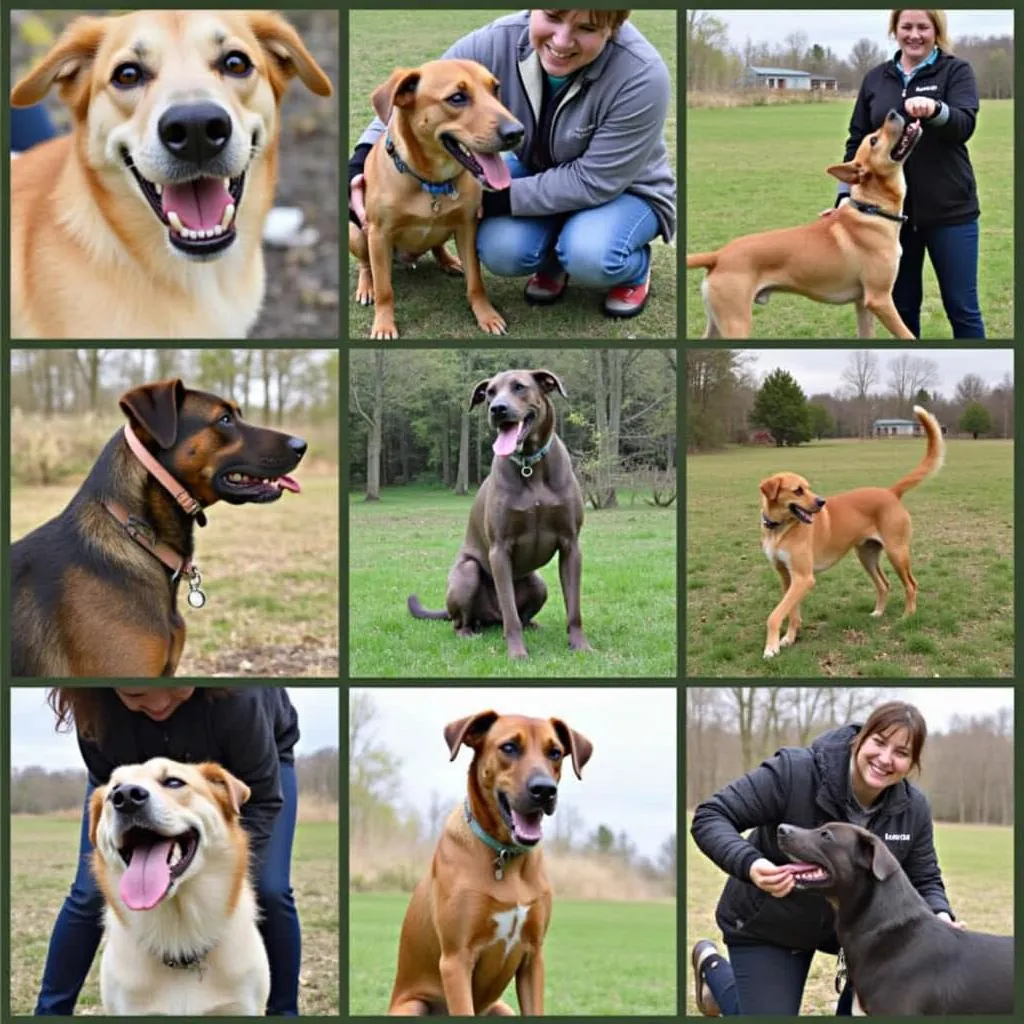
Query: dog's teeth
[[228, 216], [175, 856], [159, 188], [175, 221], [227, 183]]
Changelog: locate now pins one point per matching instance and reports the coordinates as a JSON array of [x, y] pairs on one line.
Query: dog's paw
[[452, 266], [876, 614], [787, 641], [384, 331], [771, 650], [364, 296]]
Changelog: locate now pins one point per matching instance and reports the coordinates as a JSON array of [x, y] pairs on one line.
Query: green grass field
[[406, 543], [44, 854], [757, 168], [430, 304], [271, 585], [977, 869], [601, 959], [961, 555]]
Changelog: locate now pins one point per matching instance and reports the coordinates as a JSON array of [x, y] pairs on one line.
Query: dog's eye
[[799, 490], [874, 139], [511, 748], [227, 419], [236, 64], [128, 75], [518, 386], [173, 782], [554, 754], [458, 99]]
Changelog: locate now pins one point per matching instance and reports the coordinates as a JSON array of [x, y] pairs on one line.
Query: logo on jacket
[[926, 88], [897, 837]]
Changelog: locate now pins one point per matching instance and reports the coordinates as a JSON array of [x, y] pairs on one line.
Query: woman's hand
[[943, 916], [832, 210], [921, 107], [357, 198], [775, 881]]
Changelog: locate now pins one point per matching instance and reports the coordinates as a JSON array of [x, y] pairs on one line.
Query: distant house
[[824, 83], [785, 78], [895, 428]]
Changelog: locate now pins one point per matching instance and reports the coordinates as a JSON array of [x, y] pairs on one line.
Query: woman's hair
[[602, 19], [82, 707], [938, 20], [895, 714]]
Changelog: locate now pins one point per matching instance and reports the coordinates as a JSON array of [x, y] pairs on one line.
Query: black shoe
[[705, 1000]]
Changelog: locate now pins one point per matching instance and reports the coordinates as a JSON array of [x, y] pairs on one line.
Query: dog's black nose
[[542, 789], [511, 133], [128, 798], [821, 502], [499, 409], [298, 446], [195, 132], [783, 830]]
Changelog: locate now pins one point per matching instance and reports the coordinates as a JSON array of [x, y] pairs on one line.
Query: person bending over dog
[[855, 774], [591, 183], [250, 732]]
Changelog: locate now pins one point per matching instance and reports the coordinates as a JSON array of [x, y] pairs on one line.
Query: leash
[[505, 852], [526, 463], [876, 211], [435, 189]]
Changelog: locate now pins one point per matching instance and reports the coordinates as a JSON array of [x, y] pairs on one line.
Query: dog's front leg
[[379, 244], [457, 982], [489, 319], [530, 985], [885, 309], [512, 626], [570, 572], [800, 585], [865, 321]]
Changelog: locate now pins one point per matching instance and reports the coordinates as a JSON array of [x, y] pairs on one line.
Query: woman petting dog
[[855, 774], [928, 83], [251, 733], [591, 183]]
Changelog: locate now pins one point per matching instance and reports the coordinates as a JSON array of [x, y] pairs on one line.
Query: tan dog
[[802, 534], [171, 859], [446, 131], [851, 255], [479, 916], [146, 221]]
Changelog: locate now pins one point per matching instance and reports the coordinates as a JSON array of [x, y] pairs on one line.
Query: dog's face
[[452, 106], [174, 108], [202, 440], [787, 496], [518, 406], [156, 825], [838, 860], [517, 764], [881, 155]]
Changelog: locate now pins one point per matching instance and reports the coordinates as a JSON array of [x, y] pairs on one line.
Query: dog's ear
[[470, 731], [852, 173], [67, 64], [230, 792], [479, 392], [288, 54], [771, 486], [154, 408], [883, 864], [548, 382], [398, 91], [95, 811], [580, 748]]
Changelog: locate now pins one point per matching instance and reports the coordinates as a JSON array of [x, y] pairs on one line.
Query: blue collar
[[526, 462], [505, 851], [435, 189], [907, 76], [769, 524]]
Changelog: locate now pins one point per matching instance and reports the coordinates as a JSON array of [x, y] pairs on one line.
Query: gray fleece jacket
[[607, 136]]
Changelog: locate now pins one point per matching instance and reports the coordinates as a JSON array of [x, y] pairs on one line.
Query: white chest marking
[[774, 554], [508, 926]]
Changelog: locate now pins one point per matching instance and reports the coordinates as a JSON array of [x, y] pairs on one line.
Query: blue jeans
[[76, 935], [763, 980], [953, 250], [30, 125], [601, 247]]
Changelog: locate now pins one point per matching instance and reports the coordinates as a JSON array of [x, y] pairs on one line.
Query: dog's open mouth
[[908, 139], [199, 214], [808, 876], [512, 434], [526, 829], [488, 168], [239, 485], [153, 863], [801, 513]]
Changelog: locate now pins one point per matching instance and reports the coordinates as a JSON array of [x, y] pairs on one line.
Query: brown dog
[[446, 131], [849, 256], [529, 507], [803, 534], [480, 915]]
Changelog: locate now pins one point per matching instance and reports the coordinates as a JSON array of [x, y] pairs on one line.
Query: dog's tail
[[702, 259], [419, 612], [933, 457]]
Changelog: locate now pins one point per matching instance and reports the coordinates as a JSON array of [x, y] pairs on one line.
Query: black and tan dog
[[903, 961], [446, 131], [529, 507], [94, 590]]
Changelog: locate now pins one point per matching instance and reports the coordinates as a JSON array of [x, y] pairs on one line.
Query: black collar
[[876, 211], [768, 524]]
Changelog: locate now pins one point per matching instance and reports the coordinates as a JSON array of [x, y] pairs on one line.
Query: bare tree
[[908, 374], [861, 374], [971, 388]]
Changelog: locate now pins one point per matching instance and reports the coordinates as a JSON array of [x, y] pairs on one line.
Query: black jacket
[[940, 180], [805, 787], [249, 731]]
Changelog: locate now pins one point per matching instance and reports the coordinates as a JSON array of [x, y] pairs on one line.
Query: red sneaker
[[626, 300], [543, 289]]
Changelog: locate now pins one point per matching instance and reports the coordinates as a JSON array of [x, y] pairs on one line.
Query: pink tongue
[[148, 876], [199, 204], [495, 170], [798, 868], [287, 483], [527, 826], [505, 442]]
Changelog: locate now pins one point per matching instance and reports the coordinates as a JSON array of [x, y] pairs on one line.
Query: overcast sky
[[628, 785], [841, 29], [33, 741], [818, 371]]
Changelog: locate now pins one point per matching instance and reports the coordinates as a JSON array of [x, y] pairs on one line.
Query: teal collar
[[505, 851], [526, 462]]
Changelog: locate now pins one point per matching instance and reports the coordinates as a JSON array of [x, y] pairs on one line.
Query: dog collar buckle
[[526, 470], [499, 865], [196, 597], [525, 463]]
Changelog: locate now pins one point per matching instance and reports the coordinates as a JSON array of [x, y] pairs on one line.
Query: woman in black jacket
[[924, 81], [857, 774], [252, 733]]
